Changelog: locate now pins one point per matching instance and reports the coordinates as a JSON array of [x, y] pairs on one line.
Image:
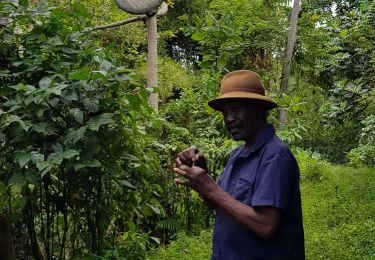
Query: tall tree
[[6, 240], [288, 54]]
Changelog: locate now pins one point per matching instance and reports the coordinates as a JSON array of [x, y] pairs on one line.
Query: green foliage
[[186, 247], [234, 34], [73, 132], [133, 246], [335, 76], [338, 214], [87, 165], [311, 165], [364, 154], [172, 78]]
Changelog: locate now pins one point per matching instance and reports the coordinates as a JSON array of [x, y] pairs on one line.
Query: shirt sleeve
[[274, 181]]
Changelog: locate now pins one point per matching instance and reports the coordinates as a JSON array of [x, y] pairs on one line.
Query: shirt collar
[[264, 137]]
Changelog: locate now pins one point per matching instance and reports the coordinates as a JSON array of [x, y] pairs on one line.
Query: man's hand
[[197, 179], [191, 157]]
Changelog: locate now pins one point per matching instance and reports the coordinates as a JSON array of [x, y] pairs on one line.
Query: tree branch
[[117, 24]]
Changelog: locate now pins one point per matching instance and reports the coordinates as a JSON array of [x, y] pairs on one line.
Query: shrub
[[186, 247]]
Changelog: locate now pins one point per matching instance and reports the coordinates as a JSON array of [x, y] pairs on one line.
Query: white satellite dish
[[139, 6]]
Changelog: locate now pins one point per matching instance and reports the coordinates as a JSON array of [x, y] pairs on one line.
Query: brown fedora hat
[[242, 84]]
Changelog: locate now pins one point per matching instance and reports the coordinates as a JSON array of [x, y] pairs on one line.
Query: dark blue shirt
[[265, 174]]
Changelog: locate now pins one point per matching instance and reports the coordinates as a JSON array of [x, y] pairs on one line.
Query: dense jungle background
[[86, 163]]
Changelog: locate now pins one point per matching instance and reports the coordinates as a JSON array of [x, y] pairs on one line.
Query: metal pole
[[152, 60]]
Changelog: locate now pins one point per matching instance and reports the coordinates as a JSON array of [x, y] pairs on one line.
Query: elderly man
[[257, 197]]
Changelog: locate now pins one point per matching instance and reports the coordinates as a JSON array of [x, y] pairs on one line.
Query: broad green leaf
[[57, 89], [55, 158], [105, 66], [29, 100], [80, 9], [70, 154], [23, 159], [198, 35], [17, 178], [19, 87], [43, 128], [57, 147], [45, 82], [70, 51], [131, 226], [14, 118], [56, 41], [53, 102], [17, 63], [75, 135], [222, 60], [102, 73], [183, 17], [154, 208], [147, 211], [103, 119], [12, 102], [14, 108], [126, 184], [91, 163], [70, 95], [77, 114], [344, 32], [37, 157], [206, 64], [80, 74], [42, 165], [91, 104], [134, 101], [4, 73], [156, 240]]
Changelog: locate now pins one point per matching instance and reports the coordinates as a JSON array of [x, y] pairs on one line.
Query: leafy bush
[[185, 247], [311, 165], [364, 154], [76, 159]]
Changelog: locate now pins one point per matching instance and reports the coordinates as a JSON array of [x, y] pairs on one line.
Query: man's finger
[[181, 156], [181, 182], [178, 162], [186, 155], [181, 172]]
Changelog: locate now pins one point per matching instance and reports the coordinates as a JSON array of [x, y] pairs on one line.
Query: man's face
[[242, 118]]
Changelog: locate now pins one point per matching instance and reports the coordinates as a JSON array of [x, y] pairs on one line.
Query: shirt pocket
[[243, 191]]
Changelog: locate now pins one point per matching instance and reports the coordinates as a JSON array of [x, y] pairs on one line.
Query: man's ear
[[261, 111]]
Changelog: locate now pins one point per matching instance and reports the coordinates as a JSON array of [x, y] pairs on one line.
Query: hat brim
[[216, 103]]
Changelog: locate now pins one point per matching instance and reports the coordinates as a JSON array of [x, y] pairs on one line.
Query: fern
[[170, 224]]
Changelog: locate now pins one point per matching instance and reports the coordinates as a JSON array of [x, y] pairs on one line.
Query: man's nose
[[230, 116]]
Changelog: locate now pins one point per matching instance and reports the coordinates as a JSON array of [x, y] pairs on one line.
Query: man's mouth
[[233, 129]]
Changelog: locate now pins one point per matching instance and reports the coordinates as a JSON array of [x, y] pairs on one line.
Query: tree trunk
[[6, 240], [288, 55], [152, 60]]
